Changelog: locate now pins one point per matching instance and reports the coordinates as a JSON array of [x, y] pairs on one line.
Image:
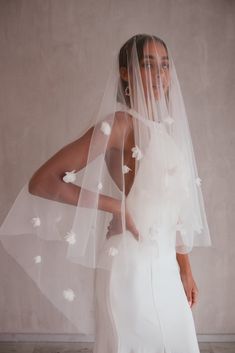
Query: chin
[[157, 96]]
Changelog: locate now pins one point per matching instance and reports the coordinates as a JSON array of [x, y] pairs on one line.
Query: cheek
[[145, 78], [166, 79]]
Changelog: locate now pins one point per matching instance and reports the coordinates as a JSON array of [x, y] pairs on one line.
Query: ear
[[123, 73]]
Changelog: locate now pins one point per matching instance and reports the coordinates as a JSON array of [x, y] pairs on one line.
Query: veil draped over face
[[140, 165]]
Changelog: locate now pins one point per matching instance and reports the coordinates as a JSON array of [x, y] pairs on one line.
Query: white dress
[[145, 309]]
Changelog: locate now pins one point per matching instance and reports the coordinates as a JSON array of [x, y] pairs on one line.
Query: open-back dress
[[145, 309]]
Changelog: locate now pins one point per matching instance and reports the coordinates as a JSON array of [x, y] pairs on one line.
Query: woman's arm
[[47, 181], [184, 263], [187, 279]]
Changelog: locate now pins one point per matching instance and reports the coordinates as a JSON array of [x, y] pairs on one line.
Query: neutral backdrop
[[52, 53]]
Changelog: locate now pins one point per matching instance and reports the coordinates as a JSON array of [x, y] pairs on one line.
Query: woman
[[143, 178]]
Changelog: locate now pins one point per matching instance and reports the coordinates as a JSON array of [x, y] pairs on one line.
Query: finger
[[194, 296], [136, 234], [189, 296], [194, 300]]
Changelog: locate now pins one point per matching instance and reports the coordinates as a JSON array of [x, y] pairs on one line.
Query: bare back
[[121, 142]]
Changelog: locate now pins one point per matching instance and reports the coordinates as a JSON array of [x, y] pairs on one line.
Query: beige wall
[[51, 54]]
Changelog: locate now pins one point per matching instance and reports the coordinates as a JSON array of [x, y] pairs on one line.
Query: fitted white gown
[[145, 309]]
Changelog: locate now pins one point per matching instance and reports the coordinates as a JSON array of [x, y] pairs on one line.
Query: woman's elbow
[[36, 183], [33, 186], [43, 185]]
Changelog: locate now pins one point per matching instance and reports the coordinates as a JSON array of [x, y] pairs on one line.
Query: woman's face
[[154, 69]]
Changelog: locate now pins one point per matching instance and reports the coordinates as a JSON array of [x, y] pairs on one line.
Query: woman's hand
[[190, 287], [115, 225]]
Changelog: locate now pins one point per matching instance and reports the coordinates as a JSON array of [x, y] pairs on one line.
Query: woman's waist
[[159, 245]]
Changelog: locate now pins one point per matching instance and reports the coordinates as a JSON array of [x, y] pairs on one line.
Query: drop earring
[[127, 91]]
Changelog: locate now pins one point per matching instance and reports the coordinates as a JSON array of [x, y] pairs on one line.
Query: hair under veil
[[140, 153]]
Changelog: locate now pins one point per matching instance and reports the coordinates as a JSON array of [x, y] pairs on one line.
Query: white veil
[[59, 227]]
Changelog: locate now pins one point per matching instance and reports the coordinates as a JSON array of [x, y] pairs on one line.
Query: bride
[[137, 212]]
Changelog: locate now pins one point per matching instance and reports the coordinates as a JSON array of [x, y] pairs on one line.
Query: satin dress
[[144, 308]]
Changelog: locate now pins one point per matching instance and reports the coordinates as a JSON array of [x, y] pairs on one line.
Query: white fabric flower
[[125, 169], [36, 222], [169, 120], [105, 128], [38, 259], [69, 294], [136, 153], [70, 237], [198, 181], [100, 186], [113, 251], [69, 176]]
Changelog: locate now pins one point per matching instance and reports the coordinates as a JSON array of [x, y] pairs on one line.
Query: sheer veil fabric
[[60, 241]]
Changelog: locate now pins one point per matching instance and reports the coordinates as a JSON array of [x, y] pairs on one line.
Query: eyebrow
[[153, 57]]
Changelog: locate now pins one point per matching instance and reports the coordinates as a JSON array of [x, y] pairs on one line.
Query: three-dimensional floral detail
[[198, 181], [100, 186], [105, 128], [36, 222], [38, 259], [70, 237], [113, 251], [125, 169], [70, 177], [136, 153], [69, 294]]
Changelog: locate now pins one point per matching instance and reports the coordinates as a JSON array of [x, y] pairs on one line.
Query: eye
[[165, 66]]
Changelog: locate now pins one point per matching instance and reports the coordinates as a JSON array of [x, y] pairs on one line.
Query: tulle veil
[[60, 240]]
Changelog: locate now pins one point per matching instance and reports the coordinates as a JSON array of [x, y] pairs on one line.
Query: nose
[[155, 70], [156, 75]]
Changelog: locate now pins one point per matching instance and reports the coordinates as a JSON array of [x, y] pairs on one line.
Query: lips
[[156, 87]]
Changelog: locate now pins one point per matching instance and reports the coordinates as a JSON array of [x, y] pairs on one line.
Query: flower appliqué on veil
[[69, 176], [38, 259], [69, 294], [105, 128], [113, 251], [199, 230], [125, 169], [136, 153], [198, 181], [36, 222], [70, 237], [99, 185]]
